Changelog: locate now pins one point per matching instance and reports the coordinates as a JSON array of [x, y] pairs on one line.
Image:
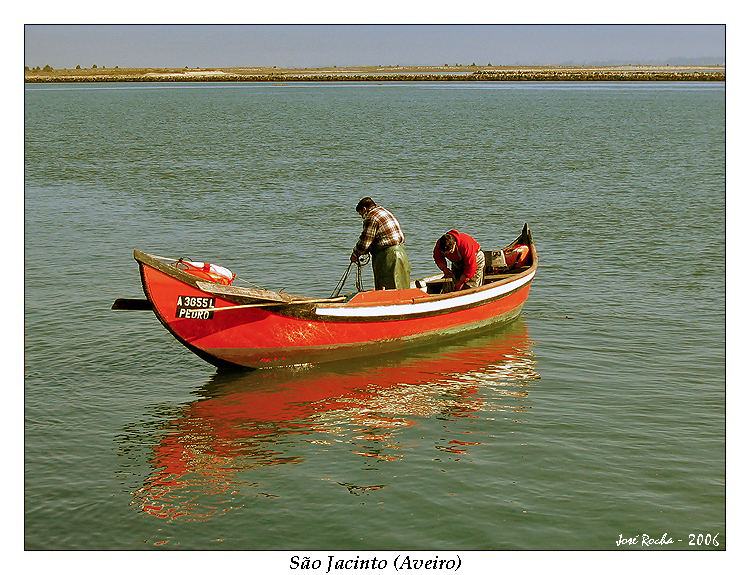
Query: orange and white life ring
[[206, 271]]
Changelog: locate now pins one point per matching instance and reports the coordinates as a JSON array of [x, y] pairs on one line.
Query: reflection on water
[[245, 421]]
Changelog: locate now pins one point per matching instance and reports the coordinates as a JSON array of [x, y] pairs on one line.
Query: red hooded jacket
[[465, 255]]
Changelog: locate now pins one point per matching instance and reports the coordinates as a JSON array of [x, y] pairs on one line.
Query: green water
[[599, 413]]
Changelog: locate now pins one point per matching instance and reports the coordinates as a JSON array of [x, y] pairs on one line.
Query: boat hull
[[265, 337]]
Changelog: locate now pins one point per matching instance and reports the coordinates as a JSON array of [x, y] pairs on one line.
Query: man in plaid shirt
[[383, 239]]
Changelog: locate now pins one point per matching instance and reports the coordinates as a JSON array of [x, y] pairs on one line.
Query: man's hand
[[353, 258]]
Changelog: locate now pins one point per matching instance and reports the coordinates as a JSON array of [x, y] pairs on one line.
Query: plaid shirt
[[379, 230]]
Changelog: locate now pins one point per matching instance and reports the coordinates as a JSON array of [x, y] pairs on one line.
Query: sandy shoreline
[[382, 74]]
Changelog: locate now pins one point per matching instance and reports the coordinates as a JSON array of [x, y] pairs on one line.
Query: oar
[[144, 304], [250, 305], [132, 304]]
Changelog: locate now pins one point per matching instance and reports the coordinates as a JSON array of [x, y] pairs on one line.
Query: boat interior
[[499, 264]]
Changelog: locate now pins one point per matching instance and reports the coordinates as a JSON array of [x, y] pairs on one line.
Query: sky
[[341, 45]]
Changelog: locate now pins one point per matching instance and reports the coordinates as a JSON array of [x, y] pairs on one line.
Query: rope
[[342, 281], [166, 259], [362, 262], [250, 283]]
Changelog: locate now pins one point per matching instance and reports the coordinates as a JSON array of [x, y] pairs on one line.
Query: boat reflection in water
[[247, 420]]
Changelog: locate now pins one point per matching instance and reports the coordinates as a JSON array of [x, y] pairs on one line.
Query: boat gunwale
[[437, 297], [458, 294]]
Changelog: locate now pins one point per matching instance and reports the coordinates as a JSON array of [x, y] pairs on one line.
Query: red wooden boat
[[227, 324]]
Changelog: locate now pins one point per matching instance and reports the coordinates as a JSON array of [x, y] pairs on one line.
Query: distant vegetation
[[457, 72]]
